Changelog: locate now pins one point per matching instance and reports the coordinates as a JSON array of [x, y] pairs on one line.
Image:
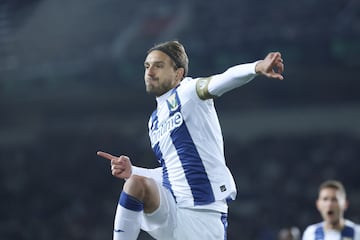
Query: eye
[[159, 65]]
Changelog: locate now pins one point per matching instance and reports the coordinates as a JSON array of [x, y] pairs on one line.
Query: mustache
[[151, 78]]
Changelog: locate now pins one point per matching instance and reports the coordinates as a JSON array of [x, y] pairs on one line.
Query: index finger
[[105, 155], [274, 56]]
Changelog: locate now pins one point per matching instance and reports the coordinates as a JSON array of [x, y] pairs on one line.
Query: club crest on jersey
[[173, 102]]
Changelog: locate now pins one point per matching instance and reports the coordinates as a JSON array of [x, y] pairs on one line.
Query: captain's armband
[[202, 88]]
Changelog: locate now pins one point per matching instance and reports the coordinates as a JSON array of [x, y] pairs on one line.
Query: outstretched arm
[[271, 66]]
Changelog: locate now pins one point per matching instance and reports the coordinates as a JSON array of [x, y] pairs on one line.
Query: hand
[[272, 66], [120, 166]]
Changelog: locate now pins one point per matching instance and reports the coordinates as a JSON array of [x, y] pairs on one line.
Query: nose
[[331, 203], [150, 71]]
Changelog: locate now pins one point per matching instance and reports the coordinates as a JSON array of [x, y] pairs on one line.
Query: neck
[[338, 225]]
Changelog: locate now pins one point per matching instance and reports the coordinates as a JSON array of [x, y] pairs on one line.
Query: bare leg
[[139, 194], [145, 190]]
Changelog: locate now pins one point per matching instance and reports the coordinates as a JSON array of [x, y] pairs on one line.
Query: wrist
[[258, 67]]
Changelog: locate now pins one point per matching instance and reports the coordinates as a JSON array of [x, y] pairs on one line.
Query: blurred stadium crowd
[[71, 84]]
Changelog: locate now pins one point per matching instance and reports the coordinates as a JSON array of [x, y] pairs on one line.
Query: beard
[[157, 88]]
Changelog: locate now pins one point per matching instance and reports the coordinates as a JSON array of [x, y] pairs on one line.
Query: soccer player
[[185, 198], [331, 204]]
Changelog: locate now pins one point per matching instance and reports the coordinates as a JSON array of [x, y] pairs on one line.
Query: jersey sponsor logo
[[166, 127]]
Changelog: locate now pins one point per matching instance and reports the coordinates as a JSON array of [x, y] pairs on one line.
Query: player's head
[[176, 52], [332, 203], [166, 64]]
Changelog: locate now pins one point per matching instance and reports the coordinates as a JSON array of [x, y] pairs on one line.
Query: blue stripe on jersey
[[348, 232], [165, 182], [224, 221], [319, 232], [156, 149], [154, 126], [154, 120], [191, 162]]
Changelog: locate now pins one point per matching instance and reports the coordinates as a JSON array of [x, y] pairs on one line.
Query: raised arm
[[271, 66]]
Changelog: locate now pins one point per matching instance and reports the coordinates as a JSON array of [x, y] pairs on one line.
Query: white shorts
[[170, 222]]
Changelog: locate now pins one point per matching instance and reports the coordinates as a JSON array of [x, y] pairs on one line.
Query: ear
[[180, 73], [346, 204]]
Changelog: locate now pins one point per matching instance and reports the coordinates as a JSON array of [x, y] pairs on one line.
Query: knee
[[145, 190], [138, 186]]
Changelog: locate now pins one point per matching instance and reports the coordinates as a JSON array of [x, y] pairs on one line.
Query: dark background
[[71, 83]]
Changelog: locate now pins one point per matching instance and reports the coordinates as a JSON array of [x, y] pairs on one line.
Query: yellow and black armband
[[202, 88]]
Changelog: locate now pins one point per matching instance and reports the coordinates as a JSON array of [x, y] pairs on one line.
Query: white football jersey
[[186, 138]]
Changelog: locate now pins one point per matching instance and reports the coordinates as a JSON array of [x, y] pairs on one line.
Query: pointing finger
[[106, 155]]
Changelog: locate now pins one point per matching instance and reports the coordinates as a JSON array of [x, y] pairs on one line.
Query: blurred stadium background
[[71, 83]]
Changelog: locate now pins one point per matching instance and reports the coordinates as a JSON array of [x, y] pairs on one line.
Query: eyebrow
[[154, 62]]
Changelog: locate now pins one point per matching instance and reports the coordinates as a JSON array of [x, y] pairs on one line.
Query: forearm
[[232, 78]]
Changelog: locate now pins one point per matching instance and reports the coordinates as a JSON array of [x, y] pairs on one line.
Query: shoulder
[[187, 88], [351, 224], [357, 232], [188, 83], [314, 226]]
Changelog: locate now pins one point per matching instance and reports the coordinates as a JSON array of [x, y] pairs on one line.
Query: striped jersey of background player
[[331, 204]]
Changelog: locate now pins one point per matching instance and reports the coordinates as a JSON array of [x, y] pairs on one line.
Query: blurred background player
[[331, 204]]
